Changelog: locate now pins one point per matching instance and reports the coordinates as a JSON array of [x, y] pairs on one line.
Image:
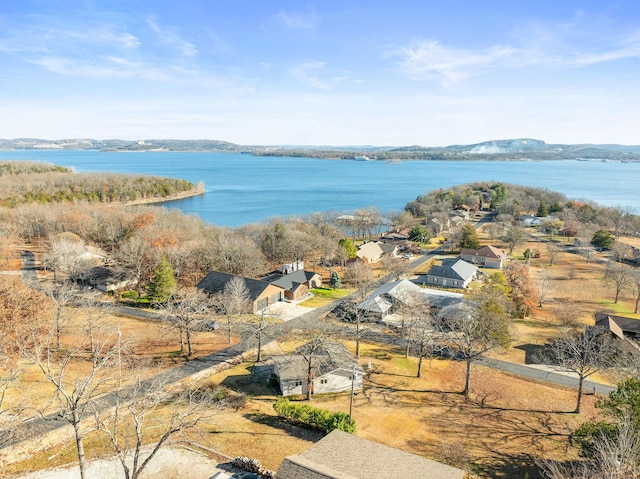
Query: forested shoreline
[[34, 182]]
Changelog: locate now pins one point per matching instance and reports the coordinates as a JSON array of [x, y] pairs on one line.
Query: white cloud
[[168, 36], [428, 58], [295, 21], [545, 47], [307, 73]]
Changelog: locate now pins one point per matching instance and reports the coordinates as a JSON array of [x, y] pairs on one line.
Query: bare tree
[[552, 250], [614, 456], [187, 313], [258, 328], [66, 257], [584, 353], [620, 277], [63, 296], [478, 326], [233, 301], [423, 335], [97, 350], [543, 285], [311, 351], [147, 406], [635, 283], [514, 236], [138, 257], [393, 266], [360, 276]]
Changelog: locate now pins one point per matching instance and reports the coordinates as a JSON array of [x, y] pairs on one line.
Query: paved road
[[305, 321]]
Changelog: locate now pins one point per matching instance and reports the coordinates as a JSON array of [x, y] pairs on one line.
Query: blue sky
[[331, 72]]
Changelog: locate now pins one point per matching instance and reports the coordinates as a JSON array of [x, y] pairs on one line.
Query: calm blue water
[[243, 189]]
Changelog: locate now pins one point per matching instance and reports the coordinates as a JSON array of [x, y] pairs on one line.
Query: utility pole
[[353, 380]]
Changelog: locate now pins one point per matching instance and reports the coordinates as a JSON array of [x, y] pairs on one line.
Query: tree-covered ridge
[[30, 167], [29, 182]]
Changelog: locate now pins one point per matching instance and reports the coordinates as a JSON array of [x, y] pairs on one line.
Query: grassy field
[[322, 296], [499, 431]]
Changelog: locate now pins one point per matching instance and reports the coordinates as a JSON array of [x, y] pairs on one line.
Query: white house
[[333, 369]]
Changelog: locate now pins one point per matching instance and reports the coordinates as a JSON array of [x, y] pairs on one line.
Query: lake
[[243, 189]]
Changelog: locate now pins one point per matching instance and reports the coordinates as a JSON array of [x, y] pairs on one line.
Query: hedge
[[313, 417]]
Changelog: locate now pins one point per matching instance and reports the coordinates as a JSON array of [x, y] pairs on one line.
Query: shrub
[[312, 417]]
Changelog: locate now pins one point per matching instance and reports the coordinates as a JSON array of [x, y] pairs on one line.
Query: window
[[324, 381], [297, 383]]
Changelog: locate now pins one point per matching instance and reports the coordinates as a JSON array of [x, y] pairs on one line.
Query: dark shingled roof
[[627, 325], [330, 357], [288, 281], [215, 282], [340, 455]]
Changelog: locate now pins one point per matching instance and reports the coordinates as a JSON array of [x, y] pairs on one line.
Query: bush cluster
[[312, 417]]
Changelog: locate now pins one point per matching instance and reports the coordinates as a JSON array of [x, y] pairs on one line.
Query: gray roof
[[382, 298], [454, 269], [330, 357], [215, 282], [376, 301], [291, 280], [627, 325], [340, 455]]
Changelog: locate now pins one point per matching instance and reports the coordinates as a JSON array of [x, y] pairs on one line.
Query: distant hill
[[119, 145], [511, 149]]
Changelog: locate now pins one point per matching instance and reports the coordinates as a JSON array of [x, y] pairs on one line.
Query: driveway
[[287, 311]]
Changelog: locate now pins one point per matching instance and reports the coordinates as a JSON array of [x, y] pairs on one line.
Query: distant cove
[[243, 189]]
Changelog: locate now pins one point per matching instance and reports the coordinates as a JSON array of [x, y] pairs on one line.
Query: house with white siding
[[333, 369], [453, 273]]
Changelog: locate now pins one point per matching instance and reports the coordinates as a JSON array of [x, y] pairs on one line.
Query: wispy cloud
[[429, 59], [296, 21], [169, 36], [309, 74]]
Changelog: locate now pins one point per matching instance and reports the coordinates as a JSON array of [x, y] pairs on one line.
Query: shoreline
[[196, 191]]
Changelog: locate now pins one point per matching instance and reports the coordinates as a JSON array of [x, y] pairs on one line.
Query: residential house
[[438, 224], [453, 273], [401, 235], [370, 252], [389, 249], [627, 329], [382, 300], [385, 300], [333, 369], [531, 220], [261, 293], [487, 256], [340, 455], [296, 284], [94, 254], [104, 279]]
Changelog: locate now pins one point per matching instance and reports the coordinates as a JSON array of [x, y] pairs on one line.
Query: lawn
[[322, 296]]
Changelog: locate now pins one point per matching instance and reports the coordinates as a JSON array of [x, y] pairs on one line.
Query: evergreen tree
[[602, 239], [469, 237], [542, 209], [163, 284], [420, 233], [334, 281]]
